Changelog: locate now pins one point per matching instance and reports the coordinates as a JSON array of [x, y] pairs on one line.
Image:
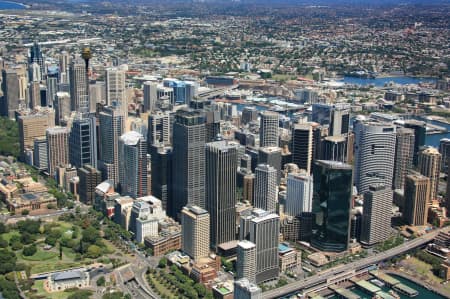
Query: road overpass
[[329, 274]]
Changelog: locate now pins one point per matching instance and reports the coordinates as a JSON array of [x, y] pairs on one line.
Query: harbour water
[[382, 81], [10, 5]]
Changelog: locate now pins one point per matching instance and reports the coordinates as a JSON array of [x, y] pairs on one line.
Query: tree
[[90, 235], [29, 250], [8, 261], [115, 295], [29, 226], [3, 228], [94, 251], [3, 242], [200, 289], [25, 212], [162, 262], [27, 238], [101, 281], [16, 245]]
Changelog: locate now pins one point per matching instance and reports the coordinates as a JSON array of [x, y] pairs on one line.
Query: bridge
[[215, 92], [329, 275]]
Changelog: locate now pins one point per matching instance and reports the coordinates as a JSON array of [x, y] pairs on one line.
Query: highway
[[357, 265]]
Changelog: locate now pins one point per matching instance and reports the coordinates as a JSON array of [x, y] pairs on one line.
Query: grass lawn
[[39, 286], [423, 269], [162, 290], [7, 236], [41, 255]]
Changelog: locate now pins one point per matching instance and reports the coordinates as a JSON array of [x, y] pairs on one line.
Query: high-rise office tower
[[161, 161], [111, 128], [10, 88], [212, 125], [188, 160], [335, 148], [62, 107], [159, 128], [133, 164], [115, 87], [150, 96], [246, 261], [404, 152], [90, 178], [271, 156], [52, 89], [64, 62], [420, 132], [221, 167], [78, 87], [249, 114], [417, 198], [57, 148], [331, 205], [40, 156], [83, 141], [302, 146], [268, 129], [336, 117], [264, 232], [34, 72], [195, 224], [429, 165], [447, 193], [444, 149], [33, 125], [374, 154], [266, 188], [299, 193], [244, 289], [376, 219], [37, 57], [34, 94]]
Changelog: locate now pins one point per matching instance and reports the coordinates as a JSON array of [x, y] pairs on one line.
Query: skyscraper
[[249, 114], [34, 94], [264, 233], [133, 164], [374, 154], [444, 149], [62, 107], [429, 165], [331, 205], [64, 62], [52, 89], [188, 160], [195, 239], [221, 167], [302, 145], [244, 289], [404, 152], [268, 129], [161, 161], [83, 141], [376, 219], [111, 128], [159, 128], [90, 178], [266, 188], [10, 88], [78, 87], [335, 148], [37, 57], [246, 261], [420, 131], [417, 198], [33, 125], [115, 87], [336, 117], [271, 156], [57, 148], [299, 193], [150, 96], [40, 156]]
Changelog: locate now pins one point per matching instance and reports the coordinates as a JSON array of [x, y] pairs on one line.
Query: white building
[[299, 193], [61, 281]]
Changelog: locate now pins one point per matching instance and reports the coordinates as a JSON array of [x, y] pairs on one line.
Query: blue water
[[434, 139], [380, 82], [10, 5]]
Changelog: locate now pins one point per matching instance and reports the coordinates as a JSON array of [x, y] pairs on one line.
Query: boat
[[394, 294]]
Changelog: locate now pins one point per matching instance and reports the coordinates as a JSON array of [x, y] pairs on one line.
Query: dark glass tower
[[162, 175], [188, 160], [221, 191], [83, 142], [331, 205]]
